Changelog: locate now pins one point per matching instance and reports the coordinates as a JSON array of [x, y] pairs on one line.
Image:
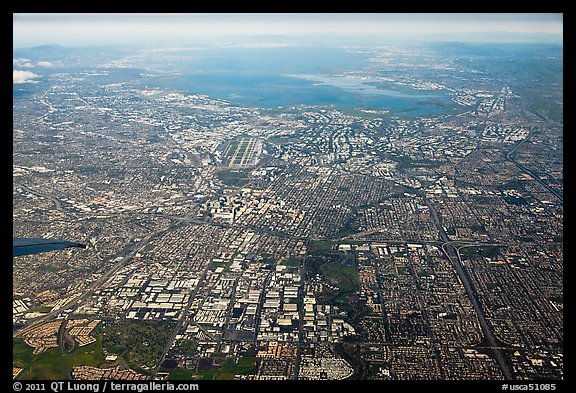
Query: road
[[530, 172], [301, 335], [183, 317], [73, 303], [453, 256], [93, 287], [57, 203]]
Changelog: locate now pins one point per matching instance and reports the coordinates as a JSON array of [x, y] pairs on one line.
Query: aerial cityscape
[[271, 206]]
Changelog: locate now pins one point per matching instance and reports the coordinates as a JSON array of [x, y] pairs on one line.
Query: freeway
[[76, 300], [183, 317], [301, 333], [451, 252], [453, 256], [87, 293], [57, 203], [530, 172]]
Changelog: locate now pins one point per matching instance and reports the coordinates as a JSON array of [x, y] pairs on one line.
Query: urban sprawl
[[231, 242]]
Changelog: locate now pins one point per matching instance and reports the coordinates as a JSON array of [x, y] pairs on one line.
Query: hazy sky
[[95, 29]]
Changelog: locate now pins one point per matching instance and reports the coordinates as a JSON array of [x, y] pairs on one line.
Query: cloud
[[20, 76], [21, 62]]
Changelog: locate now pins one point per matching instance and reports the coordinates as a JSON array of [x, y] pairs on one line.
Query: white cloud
[[21, 62], [20, 76], [45, 64]]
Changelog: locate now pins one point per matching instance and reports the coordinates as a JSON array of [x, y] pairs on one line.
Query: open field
[[53, 364]]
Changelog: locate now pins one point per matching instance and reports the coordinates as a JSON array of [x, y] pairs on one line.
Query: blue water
[[285, 77]]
